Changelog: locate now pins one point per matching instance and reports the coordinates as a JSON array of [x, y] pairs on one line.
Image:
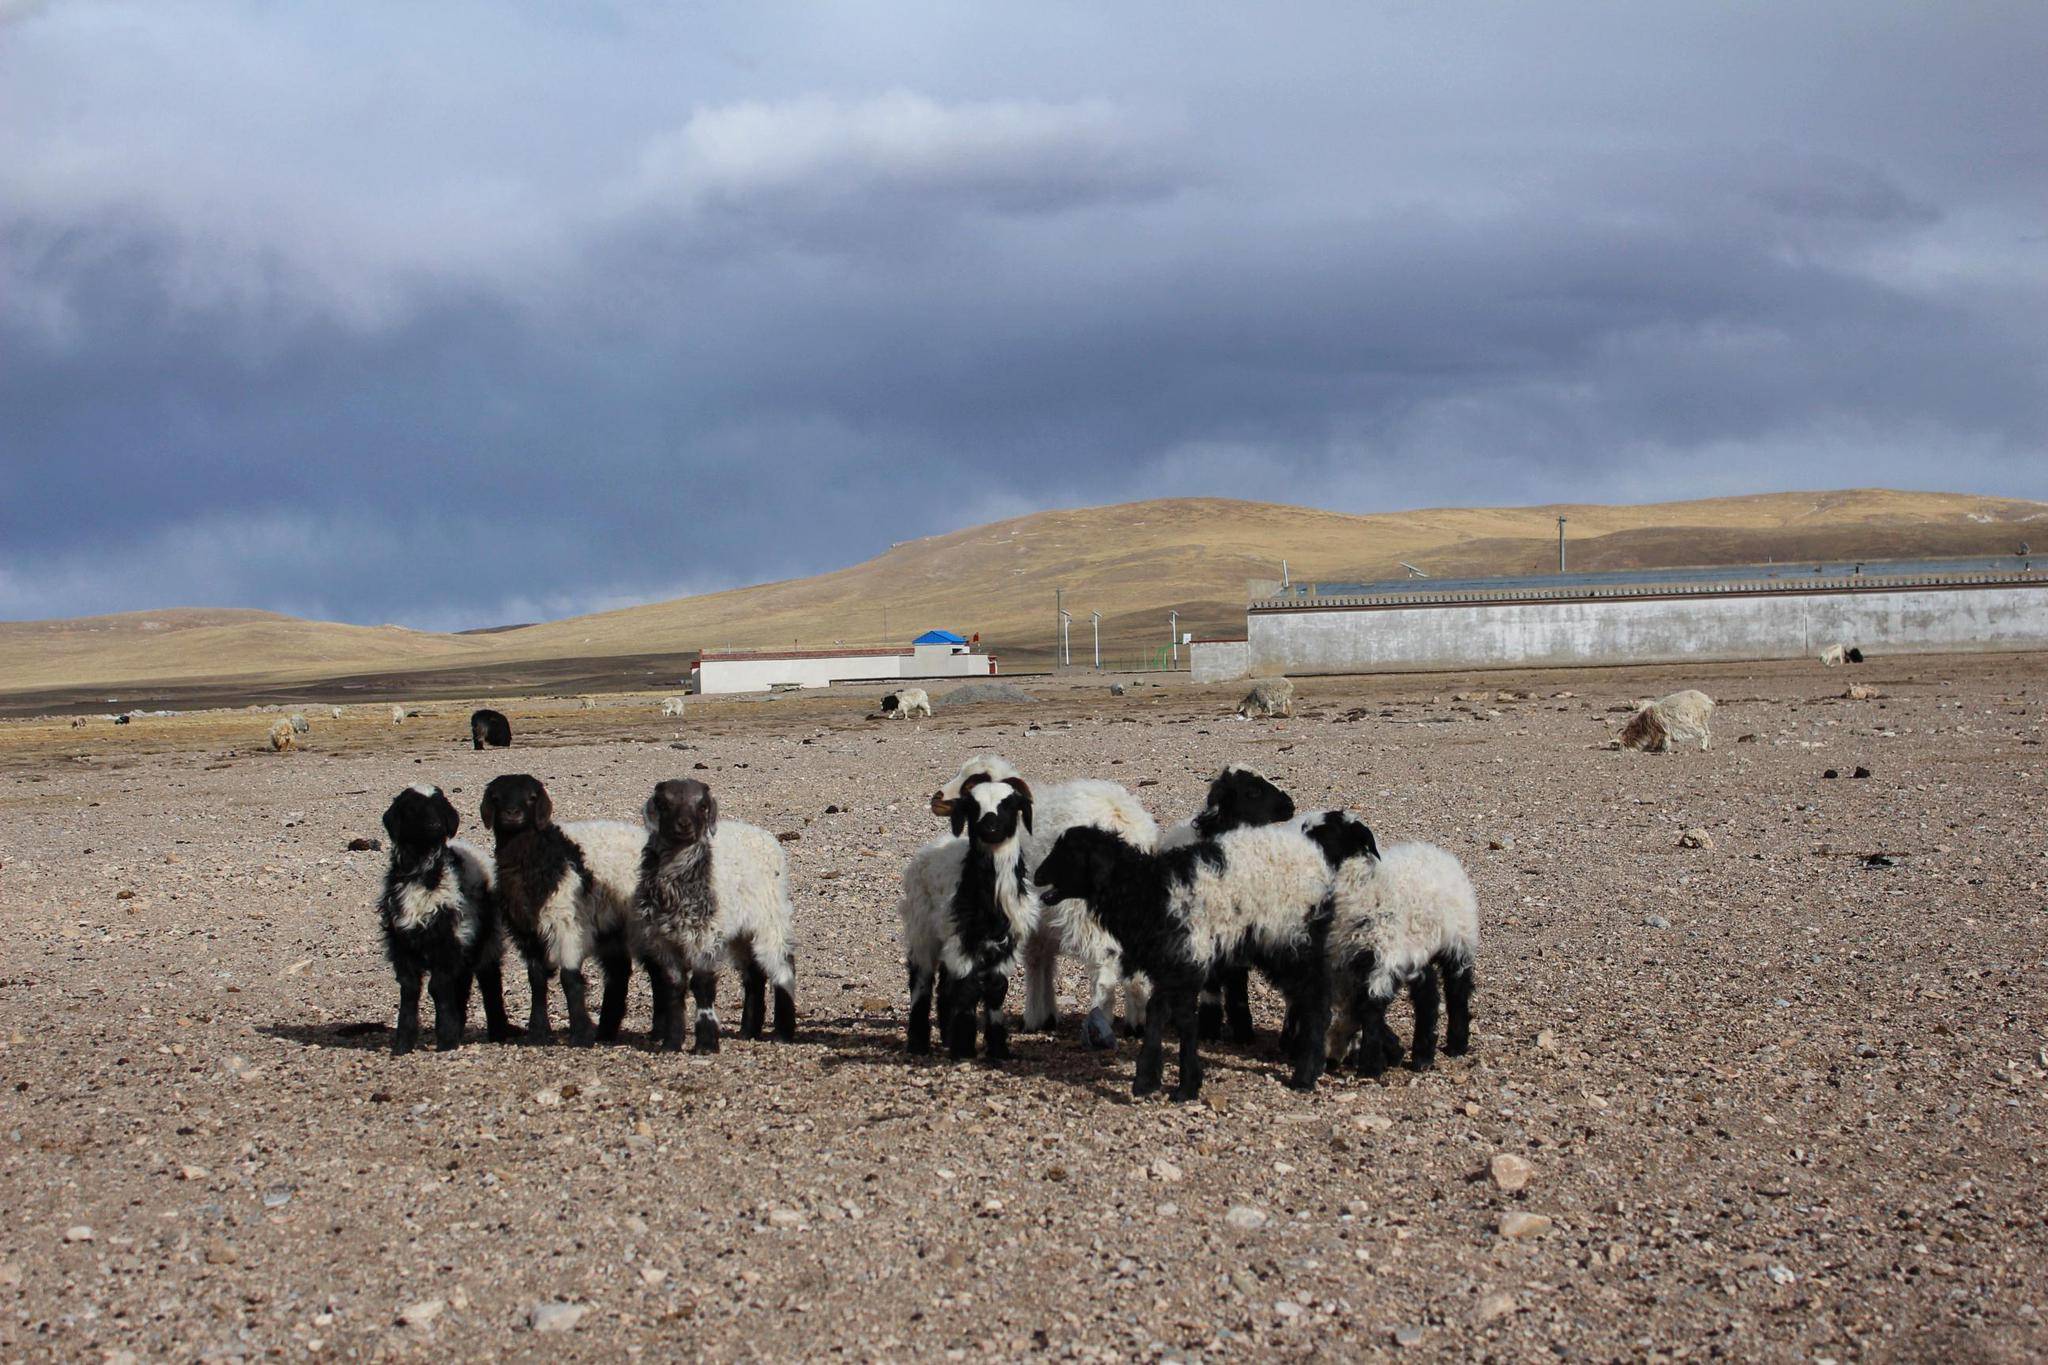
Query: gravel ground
[[1760, 1099]]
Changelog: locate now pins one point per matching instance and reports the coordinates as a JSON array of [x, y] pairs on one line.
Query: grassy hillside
[[1131, 562]]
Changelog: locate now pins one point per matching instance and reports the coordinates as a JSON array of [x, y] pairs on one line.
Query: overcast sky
[[456, 314]]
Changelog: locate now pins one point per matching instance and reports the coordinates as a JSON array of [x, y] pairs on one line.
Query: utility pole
[[1173, 626], [1095, 620], [1560, 544], [1066, 641], [1285, 581], [1059, 607]]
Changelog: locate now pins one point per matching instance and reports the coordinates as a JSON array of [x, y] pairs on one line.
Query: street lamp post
[[1095, 620]]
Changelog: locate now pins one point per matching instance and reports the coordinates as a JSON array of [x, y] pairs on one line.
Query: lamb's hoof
[[1209, 1022], [401, 1046], [579, 1038], [1301, 1083], [997, 1052], [1420, 1063], [785, 1033], [505, 1033], [1457, 1048], [919, 1047], [447, 1044], [1185, 1094], [750, 1035], [1097, 1032], [707, 1038], [1140, 1089]]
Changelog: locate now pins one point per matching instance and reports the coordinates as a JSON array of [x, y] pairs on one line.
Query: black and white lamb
[[440, 922], [967, 908], [1069, 927], [565, 893], [1260, 893], [712, 891], [489, 727], [1405, 916], [1238, 798]]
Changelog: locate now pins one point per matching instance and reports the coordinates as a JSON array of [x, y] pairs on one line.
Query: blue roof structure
[[939, 637]]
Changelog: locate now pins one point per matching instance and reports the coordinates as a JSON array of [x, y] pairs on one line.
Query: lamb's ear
[[940, 805], [451, 819], [710, 814], [1024, 801], [543, 806], [958, 814], [391, 821], [1372, 845], [487, 812]]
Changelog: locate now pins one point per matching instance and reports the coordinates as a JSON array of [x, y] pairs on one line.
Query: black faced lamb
[[967, 908], [489, 727], [1238, 798], [440, 922], [1069, 927], [1404, 916], [565, 893], [1264, 893], [712, 891]]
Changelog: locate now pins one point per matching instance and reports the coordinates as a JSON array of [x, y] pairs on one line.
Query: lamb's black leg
[[661, 992], [785, 1005], [1190, 1083], [704, 986], [1237, 1002], [575, 998], [919, 1036], [753, 998], [1458, 1002], [490, 984], [1209, 1011], [1422, 992], [994, 986], [1151, 1058], [407, 1035], [451, 1008], [618, 976], [537, 1027], [963, 1000]]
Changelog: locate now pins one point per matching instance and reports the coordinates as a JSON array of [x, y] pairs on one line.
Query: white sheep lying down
[[1677, 719], [1069, 927]]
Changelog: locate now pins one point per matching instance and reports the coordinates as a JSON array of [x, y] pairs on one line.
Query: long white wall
[[1731, 626], [721, 676]]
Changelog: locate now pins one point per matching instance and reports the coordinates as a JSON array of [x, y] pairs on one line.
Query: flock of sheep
[[1177, 920]]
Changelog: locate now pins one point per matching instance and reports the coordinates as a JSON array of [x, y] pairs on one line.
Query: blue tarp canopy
[[939, 637]]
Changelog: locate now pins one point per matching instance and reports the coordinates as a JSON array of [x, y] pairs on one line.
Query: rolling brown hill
[[1131, 562]]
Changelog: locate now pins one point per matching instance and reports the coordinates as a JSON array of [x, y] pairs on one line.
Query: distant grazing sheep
[[283, 738], [335, 712], [398, 715], [712, 891], [489, 727], [300, 724], [586, 703], [440, 921], [1268, 697], [911, 701], [1832, 655], [566, 893], [1677, 719], [672, 706], [78, 722]]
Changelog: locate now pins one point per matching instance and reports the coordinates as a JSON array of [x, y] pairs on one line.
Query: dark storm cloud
[[494, 313]]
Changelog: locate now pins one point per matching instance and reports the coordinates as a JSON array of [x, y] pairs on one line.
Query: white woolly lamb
[[671, 706], [1402, 916], [1832, 656], [712, 891], [1070, 927], [1677, 719]]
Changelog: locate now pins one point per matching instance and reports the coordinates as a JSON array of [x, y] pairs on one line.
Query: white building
[[936, 654]]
